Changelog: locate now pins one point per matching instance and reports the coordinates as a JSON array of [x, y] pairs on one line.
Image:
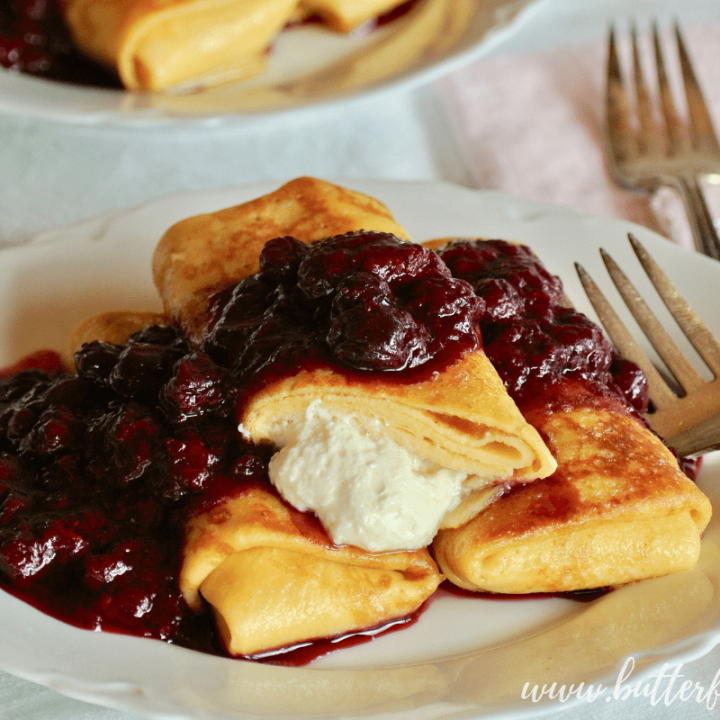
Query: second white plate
[[308, 66]]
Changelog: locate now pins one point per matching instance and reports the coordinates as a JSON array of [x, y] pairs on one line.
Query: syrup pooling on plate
[[96, 542], [97, 474]]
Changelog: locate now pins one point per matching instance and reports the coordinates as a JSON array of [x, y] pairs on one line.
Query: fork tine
[[698, 134], [686, 375], [650, 145], [622, 339], [650, 138], [618, 128], [673, 129], [692, 326], [704, 138]]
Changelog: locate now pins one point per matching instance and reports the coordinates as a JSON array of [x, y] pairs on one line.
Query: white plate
[[465, 657], [307, 66]]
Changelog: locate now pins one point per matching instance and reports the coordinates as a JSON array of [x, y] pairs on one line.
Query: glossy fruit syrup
[[100, 470], [534, 340], [97, 472], [366, 302]]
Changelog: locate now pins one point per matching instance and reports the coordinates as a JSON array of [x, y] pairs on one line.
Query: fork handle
[[702, 226]]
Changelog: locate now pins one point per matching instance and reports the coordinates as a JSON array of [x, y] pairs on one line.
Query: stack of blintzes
[[431, 413]]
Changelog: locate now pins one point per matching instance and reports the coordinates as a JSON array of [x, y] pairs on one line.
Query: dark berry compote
[[35, 40], [537, 343], [100, 470], [533, 338], [365, 302]]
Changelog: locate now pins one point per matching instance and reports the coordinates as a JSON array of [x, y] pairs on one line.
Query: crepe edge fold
[[273, 578], [460, 418]]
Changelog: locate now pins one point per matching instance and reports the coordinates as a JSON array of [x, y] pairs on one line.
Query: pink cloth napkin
[[531, 125]]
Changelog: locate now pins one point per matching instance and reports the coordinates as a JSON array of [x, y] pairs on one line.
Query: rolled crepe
[[273, 577], [461, 418], [618, 509], [271, 574], [206, 253], [162, 44]]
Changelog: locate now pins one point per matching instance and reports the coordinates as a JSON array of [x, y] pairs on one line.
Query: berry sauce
[[100, 470], [35, 40], [531, 336], [537, 343], [365, 302]]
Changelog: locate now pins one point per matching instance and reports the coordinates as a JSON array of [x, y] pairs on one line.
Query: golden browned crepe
[[161, 44], [204, 253], [576, 496], [274, 578], [270, 573], [618, 509]]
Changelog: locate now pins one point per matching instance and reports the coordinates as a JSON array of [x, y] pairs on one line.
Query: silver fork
[[689, 419], [653, 147]]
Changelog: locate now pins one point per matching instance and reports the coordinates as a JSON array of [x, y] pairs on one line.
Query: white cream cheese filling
[[366, 490]]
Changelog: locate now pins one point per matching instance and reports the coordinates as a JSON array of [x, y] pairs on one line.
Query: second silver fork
[[650, 146]]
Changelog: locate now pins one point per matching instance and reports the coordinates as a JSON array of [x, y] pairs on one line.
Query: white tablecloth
[[52, 175]]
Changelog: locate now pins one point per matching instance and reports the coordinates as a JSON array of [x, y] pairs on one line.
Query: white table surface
[[55, 174]]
